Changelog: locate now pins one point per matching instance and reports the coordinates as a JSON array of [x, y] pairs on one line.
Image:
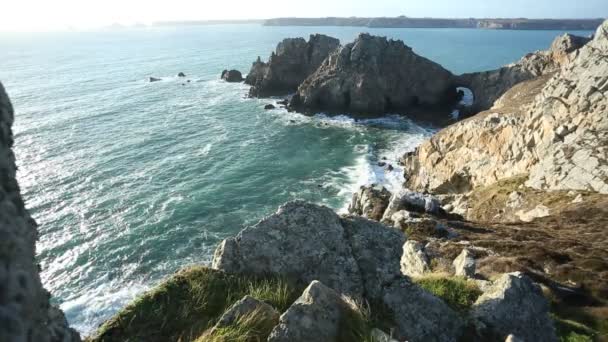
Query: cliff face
[[553, 128], [488, 86], [292, 62], [374, 75], [25, 312]]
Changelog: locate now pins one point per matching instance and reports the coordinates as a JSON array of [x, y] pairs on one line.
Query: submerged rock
[[370, 202], [269, 106], [153, 79], [181, 74], [233, 76], [514, 305], [293, 61], [374, 75]]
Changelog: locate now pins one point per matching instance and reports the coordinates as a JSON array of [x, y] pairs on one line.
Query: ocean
[[131, 181]]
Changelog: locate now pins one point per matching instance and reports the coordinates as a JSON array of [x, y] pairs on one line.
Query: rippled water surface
[[131, 180]]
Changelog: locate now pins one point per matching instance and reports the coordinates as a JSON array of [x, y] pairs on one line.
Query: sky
[[36, 15]]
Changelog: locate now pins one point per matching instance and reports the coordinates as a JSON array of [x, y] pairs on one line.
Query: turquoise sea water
[[131, 180]]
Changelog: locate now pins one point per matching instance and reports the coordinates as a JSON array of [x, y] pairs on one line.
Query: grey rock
[[302, 241], [370, 202], [233, 76], [244, 307], [412, 201], [293, 61], [378, 335], [419, 315], [25, 311], [414, 261], [153, 79], [513, 304], [269, 107], [181, 74], [464, 264], [374, 75], [315, 316]]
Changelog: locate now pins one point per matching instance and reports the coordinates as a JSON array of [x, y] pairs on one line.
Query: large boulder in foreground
[[318, 315], [302, 241], [293, 61], [374, 75], [514, 305]]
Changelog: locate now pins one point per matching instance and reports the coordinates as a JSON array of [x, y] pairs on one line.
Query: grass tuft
[[184, 306], [253, 327], [457, 292]]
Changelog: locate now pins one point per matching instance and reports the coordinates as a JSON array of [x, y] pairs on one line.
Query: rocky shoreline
[[499, 233]]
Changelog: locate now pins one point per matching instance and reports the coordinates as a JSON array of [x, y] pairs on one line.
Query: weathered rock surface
[[370, 202], [411, 201], [233, 76], [464, 264], [302, 241], [358, 257], [514, 305], [265, 315], [414, 261], [374, 75], [315, 316], [553, 128], [293, 61], [489, 86], [25, 311]]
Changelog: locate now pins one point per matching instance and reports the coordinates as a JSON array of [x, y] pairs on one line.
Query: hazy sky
[[17, 15]]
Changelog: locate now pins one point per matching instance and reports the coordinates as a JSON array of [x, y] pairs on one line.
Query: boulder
[[265, 315], [370, 202], [233, 76], [302, 241], [269, 107], [374, 75], [464, 264], [414, 202], [153, 79], [414, 261], [513, 304], [293, 61], [181, 74], [315, 316]]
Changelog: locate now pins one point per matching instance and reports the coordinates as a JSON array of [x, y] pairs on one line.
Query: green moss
[[188, 303], [457, 292]]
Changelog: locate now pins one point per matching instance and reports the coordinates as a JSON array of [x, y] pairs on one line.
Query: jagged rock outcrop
[[374, 75], [489, 86], [25, 311], [316, 316], [411, 201], [358, 257], [293, 61], [370, 202], [553, 127], [233, 76], [513, 304]]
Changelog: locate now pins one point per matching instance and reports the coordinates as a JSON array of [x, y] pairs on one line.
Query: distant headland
[[407, 22]]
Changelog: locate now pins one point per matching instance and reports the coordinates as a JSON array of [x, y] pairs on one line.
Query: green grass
[[356, 323], [248, 328], [188, 303], [457, 292]]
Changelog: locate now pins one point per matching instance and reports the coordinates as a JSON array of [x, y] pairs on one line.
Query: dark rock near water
[[370, 202], [374, 75], [233, 76], [269, 106], [181, 74], [153, 79], [293, 61]]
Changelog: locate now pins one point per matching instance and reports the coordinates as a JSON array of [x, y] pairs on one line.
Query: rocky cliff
[[552, 128], [374, 75], [293, 60], [25, 311]]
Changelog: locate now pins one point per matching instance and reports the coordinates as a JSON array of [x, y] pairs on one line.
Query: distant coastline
[[407, 22]]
